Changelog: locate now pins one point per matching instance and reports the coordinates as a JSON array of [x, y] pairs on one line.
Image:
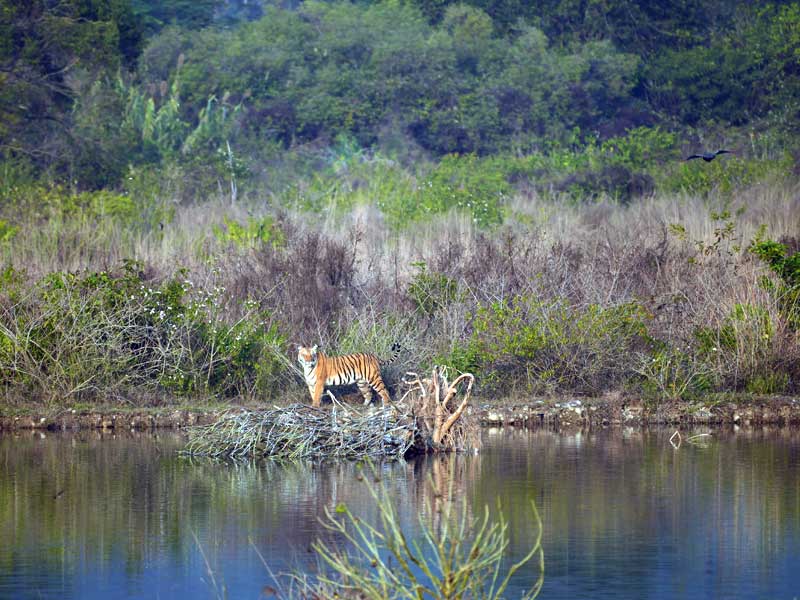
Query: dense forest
[[93, 90], [188, 187]]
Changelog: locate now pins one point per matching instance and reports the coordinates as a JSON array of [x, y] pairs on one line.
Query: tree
[[189, 14], [49, 51]]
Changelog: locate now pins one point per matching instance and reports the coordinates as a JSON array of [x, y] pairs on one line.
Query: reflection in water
[[625, 515]]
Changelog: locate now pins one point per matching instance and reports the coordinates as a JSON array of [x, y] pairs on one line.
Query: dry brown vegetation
[[660, 296]]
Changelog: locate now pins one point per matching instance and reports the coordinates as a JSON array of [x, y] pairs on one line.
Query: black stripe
[[349, 368]]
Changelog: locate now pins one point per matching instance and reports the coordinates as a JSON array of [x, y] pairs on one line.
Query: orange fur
[[320, 370]]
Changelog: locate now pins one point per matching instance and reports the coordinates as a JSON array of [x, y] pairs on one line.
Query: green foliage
[[467, 184], [483, 78], [159, 129], [746, 71], [431, 292], [156, 14], [724, 175], [549, 346], [783, 263], [621, 167], [251, 235], [671, 374], [786, 265], [132, 210], [746, 328], [48, 50], [739, 350], [768, 383], [126, 127], [640, 148], [7, 231], [92, 334], [455, 88]]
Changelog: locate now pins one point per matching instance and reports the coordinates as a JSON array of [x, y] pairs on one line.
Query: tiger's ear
[[314, 349], [299, 347]]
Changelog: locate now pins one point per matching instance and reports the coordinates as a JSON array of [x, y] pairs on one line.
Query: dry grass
[[346, 281]]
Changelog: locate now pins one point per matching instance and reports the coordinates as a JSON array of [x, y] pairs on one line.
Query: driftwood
[[428, 418], [442, 420]]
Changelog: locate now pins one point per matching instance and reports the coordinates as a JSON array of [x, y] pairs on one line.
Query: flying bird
[[709, 156]]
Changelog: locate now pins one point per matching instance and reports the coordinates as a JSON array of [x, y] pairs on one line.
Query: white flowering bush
[[116, 334]]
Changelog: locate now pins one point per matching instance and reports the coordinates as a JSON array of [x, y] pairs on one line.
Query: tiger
[[320, 370]]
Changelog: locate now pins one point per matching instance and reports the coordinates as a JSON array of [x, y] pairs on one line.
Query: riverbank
[[609, 412], [111, 419], [575, 412]]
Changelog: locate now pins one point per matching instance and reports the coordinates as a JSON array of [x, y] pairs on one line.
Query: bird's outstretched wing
[[709, 156]]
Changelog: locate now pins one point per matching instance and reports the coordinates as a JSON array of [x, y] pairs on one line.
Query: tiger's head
[[307, 357]]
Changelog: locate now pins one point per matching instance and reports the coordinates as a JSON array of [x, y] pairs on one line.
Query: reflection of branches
[[699, 439]]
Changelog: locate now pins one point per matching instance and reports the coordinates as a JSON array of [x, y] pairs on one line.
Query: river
[[625, 514]]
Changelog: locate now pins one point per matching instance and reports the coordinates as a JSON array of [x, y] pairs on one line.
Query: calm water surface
[[625, 515]]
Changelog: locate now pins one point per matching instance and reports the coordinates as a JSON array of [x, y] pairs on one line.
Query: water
[[625, 515]]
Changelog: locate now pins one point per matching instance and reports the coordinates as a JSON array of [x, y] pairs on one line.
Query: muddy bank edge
[[597, 412]]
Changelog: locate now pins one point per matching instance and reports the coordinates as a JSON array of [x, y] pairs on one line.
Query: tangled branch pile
[[426, 419], [301, 431]]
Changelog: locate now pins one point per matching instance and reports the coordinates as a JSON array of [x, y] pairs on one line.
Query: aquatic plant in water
[[454, 556]]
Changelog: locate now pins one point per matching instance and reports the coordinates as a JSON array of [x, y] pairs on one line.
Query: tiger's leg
[[380, 387], [316, 395], [385, 399], [365, 389]]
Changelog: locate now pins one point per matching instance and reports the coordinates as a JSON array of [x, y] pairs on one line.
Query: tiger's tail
[[394, 353]]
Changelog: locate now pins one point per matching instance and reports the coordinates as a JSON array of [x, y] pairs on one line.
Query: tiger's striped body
[[364, 370]]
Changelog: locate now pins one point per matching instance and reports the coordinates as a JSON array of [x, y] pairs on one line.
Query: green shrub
[[468, 184], [768, 383], [619, 167], [723, 175], [739, 349], [430, 292], [615, 181], [786, 265], [670, 374], [132, 209], [640, 148], [7, 231], [550, 346], [251, 235], [95, 334]]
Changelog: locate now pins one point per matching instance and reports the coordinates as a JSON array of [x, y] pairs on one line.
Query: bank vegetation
[[188, 190]]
